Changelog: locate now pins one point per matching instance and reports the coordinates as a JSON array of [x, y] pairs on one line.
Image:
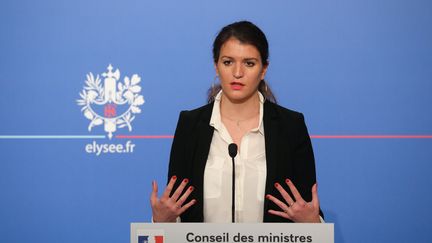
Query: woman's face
[[240, 70]]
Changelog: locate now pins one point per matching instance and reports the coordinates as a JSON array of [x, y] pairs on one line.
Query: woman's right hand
[[166, 208]]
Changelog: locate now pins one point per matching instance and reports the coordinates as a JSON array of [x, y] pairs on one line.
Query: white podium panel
[[231, 233]]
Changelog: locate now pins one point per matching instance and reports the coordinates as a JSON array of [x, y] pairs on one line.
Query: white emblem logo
[[112, 104]]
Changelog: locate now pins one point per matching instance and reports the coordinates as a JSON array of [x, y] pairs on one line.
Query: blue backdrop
[[352, 67]]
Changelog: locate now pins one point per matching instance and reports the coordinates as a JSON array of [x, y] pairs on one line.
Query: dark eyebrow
[[226, 57], [246, 59]]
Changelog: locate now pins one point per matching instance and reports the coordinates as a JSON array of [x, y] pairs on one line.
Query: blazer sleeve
[[189, 153], [177, 164], [304, 162]]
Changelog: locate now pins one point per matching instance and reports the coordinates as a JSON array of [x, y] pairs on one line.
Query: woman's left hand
[[297, 210]]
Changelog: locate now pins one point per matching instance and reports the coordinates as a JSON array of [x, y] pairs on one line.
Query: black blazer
[[288, 154]]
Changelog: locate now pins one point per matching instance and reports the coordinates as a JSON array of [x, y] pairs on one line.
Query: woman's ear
[[216, 69], [264, 71]]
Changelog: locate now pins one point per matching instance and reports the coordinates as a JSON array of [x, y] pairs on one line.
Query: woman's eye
[[250, 64], [227, 62]]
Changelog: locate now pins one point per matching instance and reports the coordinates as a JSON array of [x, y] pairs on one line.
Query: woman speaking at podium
[[274, 178]]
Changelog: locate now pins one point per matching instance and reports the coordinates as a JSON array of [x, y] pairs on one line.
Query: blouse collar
[[216, 121]]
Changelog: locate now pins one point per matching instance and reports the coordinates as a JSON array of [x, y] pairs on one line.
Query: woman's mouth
[[236, 85]]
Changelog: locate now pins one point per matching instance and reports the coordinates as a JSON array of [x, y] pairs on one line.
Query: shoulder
[[276, 111], [289, 124], [200, 113], [190, 119]]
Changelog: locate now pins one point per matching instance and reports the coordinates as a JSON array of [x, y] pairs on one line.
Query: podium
[[231, 233]]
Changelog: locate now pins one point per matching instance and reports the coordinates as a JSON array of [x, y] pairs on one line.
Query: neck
[[240, 110]]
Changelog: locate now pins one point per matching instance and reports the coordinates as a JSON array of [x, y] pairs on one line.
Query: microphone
[[232, 150]]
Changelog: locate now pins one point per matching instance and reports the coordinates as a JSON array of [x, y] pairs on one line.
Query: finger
[[179, 189], [279, 203], [284, 194], [185, 196], [315, 200], [153, 196], [295, 192], [279, 213], [169, 187], [187, 206]]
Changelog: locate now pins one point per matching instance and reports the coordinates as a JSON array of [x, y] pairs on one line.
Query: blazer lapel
[[204, 137], [271, 135]]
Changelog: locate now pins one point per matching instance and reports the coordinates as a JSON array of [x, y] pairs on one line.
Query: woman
[[275, 159]]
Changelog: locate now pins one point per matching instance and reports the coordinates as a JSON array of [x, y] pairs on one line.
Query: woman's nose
[[238, 71]]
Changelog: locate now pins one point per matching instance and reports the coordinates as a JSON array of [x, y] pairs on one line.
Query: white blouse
[[250, 172]]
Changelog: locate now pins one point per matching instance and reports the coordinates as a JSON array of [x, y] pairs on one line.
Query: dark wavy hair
[[247, 33]]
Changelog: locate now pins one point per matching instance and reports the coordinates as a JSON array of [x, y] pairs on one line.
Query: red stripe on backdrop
[[371, 136], [312, 136], [144, 136]]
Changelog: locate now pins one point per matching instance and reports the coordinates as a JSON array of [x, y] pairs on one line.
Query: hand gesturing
[[297, 210], [167, 209]]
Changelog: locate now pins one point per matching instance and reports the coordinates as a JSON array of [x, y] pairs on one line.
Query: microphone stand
[[232, 150]]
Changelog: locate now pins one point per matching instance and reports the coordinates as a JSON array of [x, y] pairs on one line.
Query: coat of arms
[[111, 103]]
